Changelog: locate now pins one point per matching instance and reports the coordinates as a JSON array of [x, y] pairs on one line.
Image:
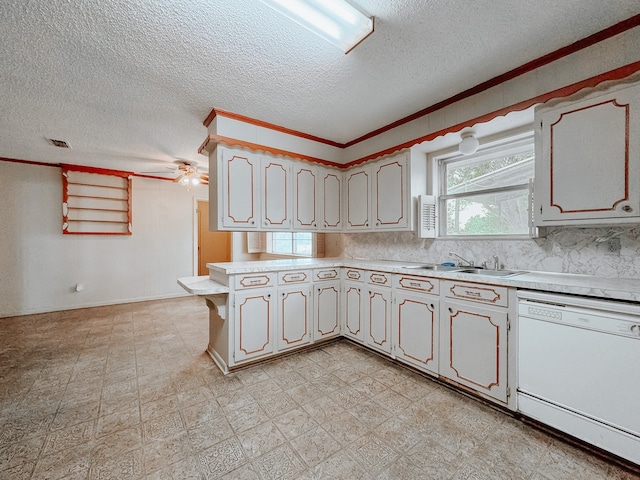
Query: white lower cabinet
[[417, 323], [254, 318], [294, 308], [377, 329], [456, 330], [326, 315], [353, 313], [473, 339]]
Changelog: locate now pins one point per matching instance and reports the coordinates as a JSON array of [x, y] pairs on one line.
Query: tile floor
[[127, 391]]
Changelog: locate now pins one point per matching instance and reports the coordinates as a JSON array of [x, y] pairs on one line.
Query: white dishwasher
[[579, 368]]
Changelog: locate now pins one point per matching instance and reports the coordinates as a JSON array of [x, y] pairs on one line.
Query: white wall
[[39, 267]]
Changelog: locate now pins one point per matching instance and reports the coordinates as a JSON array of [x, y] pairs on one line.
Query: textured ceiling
[[128, 83]]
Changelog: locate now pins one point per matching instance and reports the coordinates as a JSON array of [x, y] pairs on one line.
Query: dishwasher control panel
[[573, 316]]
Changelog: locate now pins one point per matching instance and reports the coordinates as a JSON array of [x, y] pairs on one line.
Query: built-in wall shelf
[[95, 201]]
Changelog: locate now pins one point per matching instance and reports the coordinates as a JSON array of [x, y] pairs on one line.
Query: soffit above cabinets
[[128, 84]]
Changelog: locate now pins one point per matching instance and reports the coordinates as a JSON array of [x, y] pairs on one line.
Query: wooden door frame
[[196, 199]]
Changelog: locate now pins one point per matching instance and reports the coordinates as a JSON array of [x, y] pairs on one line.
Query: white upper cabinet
[[390, 207], [381, 195], [234, 189], [275, 187], [305, 196], [358, 198], [331, 195], [588, 159], [260, 192]]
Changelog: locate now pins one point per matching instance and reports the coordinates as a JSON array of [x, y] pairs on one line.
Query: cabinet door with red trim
[[305, 196], [234, 188], [331, 199], [294, 308], [353, 313], [254, 320], [473, 348], [357, 184], [326, 317], [391, 195], [588, 159], [417, 323], [378, 319], [276, 191]]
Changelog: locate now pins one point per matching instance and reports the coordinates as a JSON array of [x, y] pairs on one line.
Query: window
[[302, 244], [487, 193], [292, 243]]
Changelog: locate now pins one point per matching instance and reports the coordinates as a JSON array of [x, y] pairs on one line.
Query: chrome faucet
[[496, 263], [468, 262]]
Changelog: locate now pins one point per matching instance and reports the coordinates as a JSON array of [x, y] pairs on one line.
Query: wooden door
[[213, 247]]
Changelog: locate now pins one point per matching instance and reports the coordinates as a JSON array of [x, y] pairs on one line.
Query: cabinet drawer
[[254, 280], [379, 278], [326, 274], [354, 274], [416, 284], [488, 294], [293, 277]]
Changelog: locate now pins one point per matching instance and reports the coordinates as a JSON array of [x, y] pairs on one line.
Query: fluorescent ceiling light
[[336, 21]]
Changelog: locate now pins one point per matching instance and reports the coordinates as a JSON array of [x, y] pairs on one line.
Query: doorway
[[213, 247]]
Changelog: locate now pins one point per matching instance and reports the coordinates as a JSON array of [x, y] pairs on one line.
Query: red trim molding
[[597, 37], [609, 32], [616, 74], [29, 162], [252, 121], [234, 142], [100, 171]]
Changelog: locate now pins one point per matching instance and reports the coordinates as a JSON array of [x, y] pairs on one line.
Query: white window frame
[[262, 242], [505, 144]]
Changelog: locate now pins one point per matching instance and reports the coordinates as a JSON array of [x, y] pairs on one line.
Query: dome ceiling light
[[469, 143]]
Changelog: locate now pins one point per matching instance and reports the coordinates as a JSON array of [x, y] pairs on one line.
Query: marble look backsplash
[[566, 250]]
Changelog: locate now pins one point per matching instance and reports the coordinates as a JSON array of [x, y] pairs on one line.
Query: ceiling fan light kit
[[189, 175]]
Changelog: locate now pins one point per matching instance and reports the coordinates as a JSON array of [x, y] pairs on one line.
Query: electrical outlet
[[613, 245]]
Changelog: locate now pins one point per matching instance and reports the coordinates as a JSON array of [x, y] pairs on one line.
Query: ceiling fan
[[188, 174]]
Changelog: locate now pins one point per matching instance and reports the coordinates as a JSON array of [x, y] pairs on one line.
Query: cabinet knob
[[627, 208], [450, 310], [377, 224], [266, 223]]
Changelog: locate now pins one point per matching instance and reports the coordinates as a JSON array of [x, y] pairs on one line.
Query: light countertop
[[587, 285]]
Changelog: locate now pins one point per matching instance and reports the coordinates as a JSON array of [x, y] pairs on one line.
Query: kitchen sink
[[435, 268], [491, 273]]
